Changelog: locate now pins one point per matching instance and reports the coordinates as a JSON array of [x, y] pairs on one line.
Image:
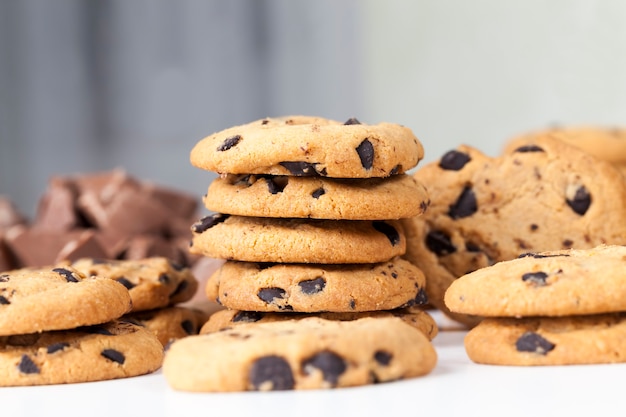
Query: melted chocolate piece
[[366, 154], [207, 222], [581, 202], [27, 366], [352, 121], [329, 363], [125, 282], [532, 342], [439, 243], [67, 274], [536, 278], [312, 286], [113, 355], [318, 193], [188, 326], [269, 294], [229, 143], [303, 169], [529, 148], [465, 205], [388, 230], [55, 347], [247, 316], [3, 300], [271, 372], [276, 185], [383, 357], [454, 160]]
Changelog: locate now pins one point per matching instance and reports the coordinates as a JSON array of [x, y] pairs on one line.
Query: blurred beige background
[[93, 85]]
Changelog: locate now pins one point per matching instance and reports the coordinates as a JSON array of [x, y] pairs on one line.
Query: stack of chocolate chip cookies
[[547, 308], [306, 215]]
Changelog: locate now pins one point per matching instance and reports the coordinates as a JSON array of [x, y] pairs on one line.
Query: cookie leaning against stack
[[306, 218], [547, 308]]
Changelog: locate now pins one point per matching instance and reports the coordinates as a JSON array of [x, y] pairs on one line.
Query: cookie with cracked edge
[[310, 146], [152, 282], [169, 323], [41, 299], [399, 196], [311, 353], [548, 196], [309, 288], [534, 341], [95, 353], [227, 318], [257, 239], [555, 283]]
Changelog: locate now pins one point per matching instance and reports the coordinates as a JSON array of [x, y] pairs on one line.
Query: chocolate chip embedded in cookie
[[310, 146], [305, 354], [36, 300], [169, 323], [317, 288], [95, 353]]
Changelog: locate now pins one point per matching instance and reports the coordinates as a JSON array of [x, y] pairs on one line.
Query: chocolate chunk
[[366, 154], [229, 143], [269, 294], [388, 230], [465, 205], [3, 300], [454, 160], [27, 366], [537, 278], [182, 286], [271, 373], [312, 286], [318, 193], [188, 326], [113, 355], [208, 221], [396, 169], [383, 357], [247, 316], [352, 121], [532, 342], [529, 148], [129, 285], [439, 243], [329, 363], [540, 255], [352, 304], [164, 279], [303, 169], [55, 347], [421, 297], [276, 184], [581, 201], [67, 274]]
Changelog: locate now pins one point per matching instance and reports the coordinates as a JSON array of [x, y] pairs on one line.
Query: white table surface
[[456, 387]]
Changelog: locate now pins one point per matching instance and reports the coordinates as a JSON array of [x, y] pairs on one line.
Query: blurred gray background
[[93, 85]]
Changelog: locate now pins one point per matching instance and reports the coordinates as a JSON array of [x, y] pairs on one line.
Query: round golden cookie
[[227, 318], [152, 282], [257, 239], [395, 197], [169, 323], [573, 340], [311, 353], [309, 288], [483, 210], [557, 283], [310, 146], [96, 353], [36, 300]]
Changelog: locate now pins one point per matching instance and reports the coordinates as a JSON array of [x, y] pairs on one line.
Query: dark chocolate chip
[[188, 326], [312, 286], [383, 357], [540, 255], [352, 304], [465, 205], [276, 184], [3, 300], [536, 278], [164, 279], [454, 160], [366, 154], [247, 316], [113, 355], [302, 169], [421, 298], [269, 294], [67, 274], [182, 286], [318, 193], [125, 282], [208, 221], [581, 201], [529, 148], [532, 342], [4, 278], [439, 243], [396, 169], [27, 366], [329, 363], [352, 121], [472, 247], [55, 347], [388, 230], [271, 373], [229, 143]]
